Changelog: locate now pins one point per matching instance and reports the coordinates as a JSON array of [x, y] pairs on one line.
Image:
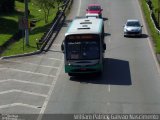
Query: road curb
[[22, 55]]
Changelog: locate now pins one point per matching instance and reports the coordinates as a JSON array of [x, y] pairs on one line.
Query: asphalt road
[[130, 82]]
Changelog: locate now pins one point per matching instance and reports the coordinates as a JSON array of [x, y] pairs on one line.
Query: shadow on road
[[107, 34], [104, 19], [116, 72], [143, 36]]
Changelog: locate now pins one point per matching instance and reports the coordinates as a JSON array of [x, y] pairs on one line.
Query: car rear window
[[94, 7]]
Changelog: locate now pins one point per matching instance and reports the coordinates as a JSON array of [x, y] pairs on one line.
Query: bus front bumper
[[83, 69]]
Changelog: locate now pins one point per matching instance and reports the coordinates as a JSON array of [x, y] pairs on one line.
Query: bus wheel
[[71, 74], [99, 73]]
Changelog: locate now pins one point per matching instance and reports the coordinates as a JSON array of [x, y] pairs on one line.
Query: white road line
[[16, 61], [23, 81], [50, 58], [27, 72], [149, 42], [109, 23], [21, 91], [55, 59], [79, 7], [49, 94], [109, 39], [19, 104], [42, 56], [109, 88]]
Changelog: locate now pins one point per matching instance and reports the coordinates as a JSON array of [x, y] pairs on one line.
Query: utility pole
[[26, 20]]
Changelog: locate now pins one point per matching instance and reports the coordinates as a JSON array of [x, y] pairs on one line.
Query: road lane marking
[[42, 56], [56, 59], [21, 91], [50, 58], [109, 39], [16, 61], [109, 88], [109, 23], [149, 42], [19, 104], [24, 81], [49, 94], [27, 72]]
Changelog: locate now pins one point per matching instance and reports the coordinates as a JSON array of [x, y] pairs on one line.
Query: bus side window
[[62, 46]]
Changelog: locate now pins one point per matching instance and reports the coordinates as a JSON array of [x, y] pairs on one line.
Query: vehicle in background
[[94, 8], [84, 46], [133, 28]]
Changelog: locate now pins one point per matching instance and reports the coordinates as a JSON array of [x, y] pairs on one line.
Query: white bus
[[84, 46]]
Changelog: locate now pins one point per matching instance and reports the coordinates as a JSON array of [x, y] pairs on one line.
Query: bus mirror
[[62, 47], [104, 46]]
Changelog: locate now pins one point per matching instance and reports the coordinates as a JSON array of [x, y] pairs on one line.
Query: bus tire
[[71, 74], [98, 73]]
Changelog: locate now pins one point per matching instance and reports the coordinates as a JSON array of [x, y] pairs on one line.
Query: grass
[[154, 34], [6, 27], [11, 21]]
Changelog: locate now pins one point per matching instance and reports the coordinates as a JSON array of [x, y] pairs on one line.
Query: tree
[[59, 2], [46, 6]]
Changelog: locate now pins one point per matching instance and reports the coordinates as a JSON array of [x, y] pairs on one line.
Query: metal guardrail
[[51, 31], [60, 17]]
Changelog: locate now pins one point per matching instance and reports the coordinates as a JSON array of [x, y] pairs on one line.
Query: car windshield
[[133, 23], [94, 8], [82, 49]]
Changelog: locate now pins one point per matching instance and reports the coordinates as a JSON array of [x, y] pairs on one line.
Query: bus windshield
[[82, 48]]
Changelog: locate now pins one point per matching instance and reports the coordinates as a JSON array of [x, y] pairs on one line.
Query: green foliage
[[46, 6], [155, 35]]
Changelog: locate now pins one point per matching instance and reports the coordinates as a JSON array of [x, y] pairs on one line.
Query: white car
[[133, 28]]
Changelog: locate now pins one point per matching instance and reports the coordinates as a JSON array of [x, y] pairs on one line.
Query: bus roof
[[85, 26]]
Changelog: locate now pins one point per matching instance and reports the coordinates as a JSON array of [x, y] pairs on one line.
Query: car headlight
[[125, 30]]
